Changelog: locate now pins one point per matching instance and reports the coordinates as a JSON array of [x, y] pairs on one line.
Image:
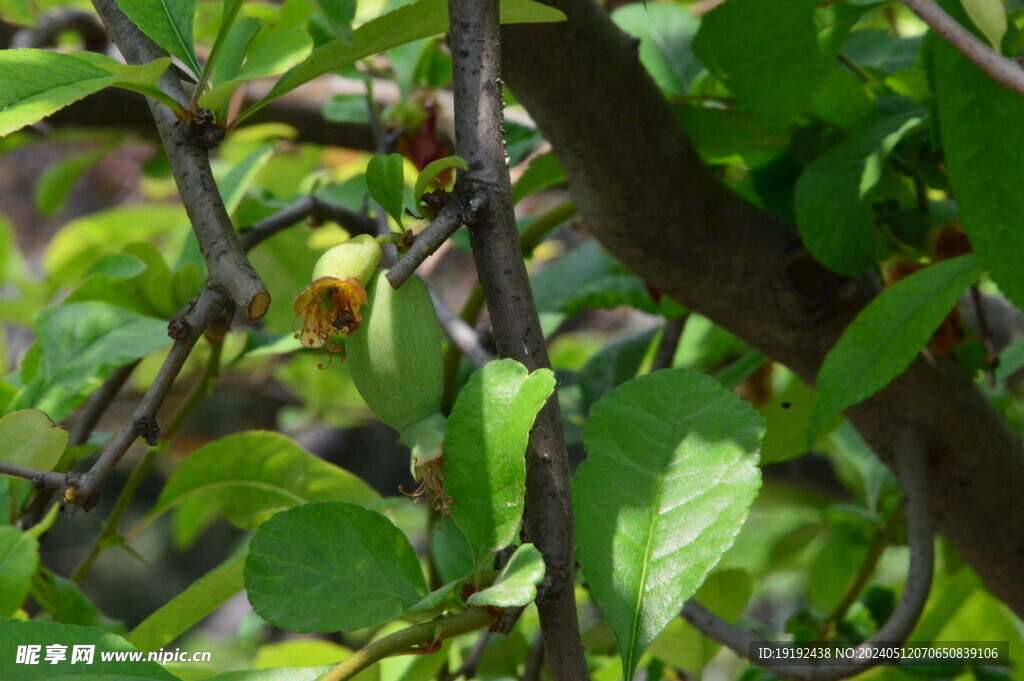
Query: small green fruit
[[395, 355]]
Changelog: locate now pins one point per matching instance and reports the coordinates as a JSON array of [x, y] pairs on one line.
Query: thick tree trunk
[[645, 194]]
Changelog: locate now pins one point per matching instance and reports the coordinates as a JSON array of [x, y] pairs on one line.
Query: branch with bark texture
[[912, 464], [479, 138], [229, 269], [646, 195], [1003, 70]]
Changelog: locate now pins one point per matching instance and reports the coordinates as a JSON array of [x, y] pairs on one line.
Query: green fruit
[[395, 355], [357, 258]]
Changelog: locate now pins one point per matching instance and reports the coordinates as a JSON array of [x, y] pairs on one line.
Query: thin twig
[[911, 459], [467, 669], [308, 206], [1004, 71], [448, 221], [670, 337], [186, 147], [462, 335], [42, 479], [479, 138], [991, 355], [99, 403], [425, 634]]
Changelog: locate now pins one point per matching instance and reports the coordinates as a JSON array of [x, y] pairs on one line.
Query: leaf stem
[[422, 634]]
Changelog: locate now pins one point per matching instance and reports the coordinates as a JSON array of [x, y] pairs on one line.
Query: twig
[[42, 479], [1004, 71], [534, 660], [186, 148], [423, 634], [670, 338], [111, 525], [452, 216], [468, 667], [461, 334], [913, 475], [991, 355], [306, 207], [479, 139], [99, 403]]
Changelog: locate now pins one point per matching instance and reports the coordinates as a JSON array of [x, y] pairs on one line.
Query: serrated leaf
[[250, 476], [201, 598], [887, 334], [19, 558], [433, 169], [833, 197], [517, 583], [484, 449], [407, 23], [268, 55], [14, 633], [331, 567], [168, 23], [80, 344], [773, 55], [665, 33], [31, 439], [339, 15], [989, 16], [385, 180], [544, 171], [35, 83], [978, 120], [670, 475]]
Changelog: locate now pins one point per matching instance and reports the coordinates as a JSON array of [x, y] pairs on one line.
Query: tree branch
[[479, 138], [462, 335], [1004, 71], [306, 207], [455, 213], [229, 269], [644, 192], [914, 475]]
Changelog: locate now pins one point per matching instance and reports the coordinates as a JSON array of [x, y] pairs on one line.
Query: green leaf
[[31, 439], [200, 599], [665, 33], [717, 133], [227, 19], [978, 120], [670, 475], [168, 23], [339, 15], [268, 55], [517, 583], [773, 55], [15, 633], [138, 279], [286, 674], [19, 558], [433, 169], [331, 567], [56, 184], [79, 345], [385, 179], [588, 277], [613, 365], [484, 449], [80, 243], [544, 171], [990, 18], [240, 178], [833, 197], [410, 22], [233, 52], [252, 475], [887, 334], [36, 83], [66, 603]]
